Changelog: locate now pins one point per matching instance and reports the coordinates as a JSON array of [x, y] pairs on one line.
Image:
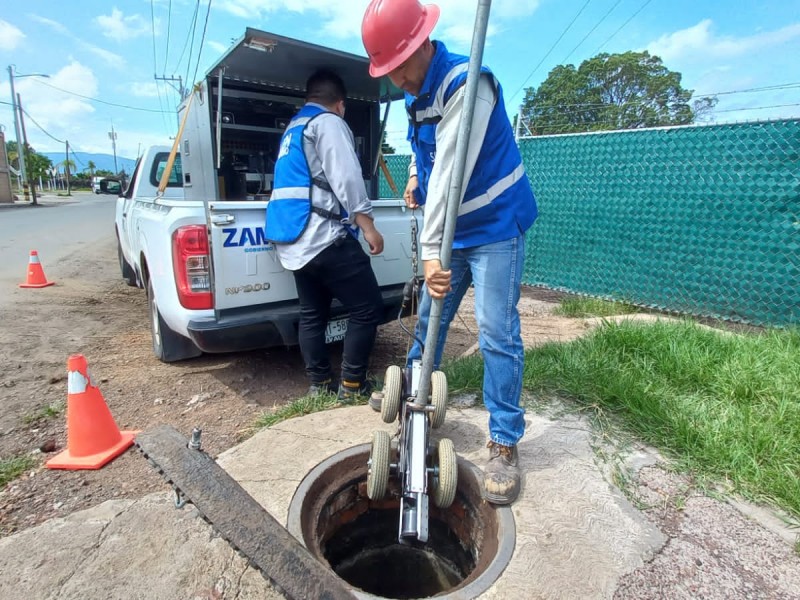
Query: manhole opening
[[469, 543]]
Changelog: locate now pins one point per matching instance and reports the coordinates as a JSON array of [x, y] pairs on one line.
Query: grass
[[726, 407], [48, 412], [582, 307], [300, 407], [11, 468]]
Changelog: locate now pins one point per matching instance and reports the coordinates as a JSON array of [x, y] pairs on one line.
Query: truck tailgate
[[246, 267]]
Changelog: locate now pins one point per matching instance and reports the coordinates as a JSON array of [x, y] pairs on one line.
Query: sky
[[101, 57]]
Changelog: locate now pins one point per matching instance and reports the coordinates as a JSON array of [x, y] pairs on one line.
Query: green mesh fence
[[698, 220], [397, 165]]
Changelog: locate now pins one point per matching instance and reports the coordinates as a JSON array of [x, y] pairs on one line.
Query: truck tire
[[168, 346], [128, 274]]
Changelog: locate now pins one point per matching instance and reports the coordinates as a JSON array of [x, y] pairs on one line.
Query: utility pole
[[181, 91], [113, 137], [66, 169], [20, 147], [31, 184], [11, 74]]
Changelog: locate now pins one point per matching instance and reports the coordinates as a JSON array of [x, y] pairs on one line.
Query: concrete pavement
[[576, 535]]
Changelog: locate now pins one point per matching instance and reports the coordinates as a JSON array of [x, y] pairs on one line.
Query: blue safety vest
[[498, 202], [289, 208]]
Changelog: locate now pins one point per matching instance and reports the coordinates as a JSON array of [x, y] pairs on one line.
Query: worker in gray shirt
[[318, 205]]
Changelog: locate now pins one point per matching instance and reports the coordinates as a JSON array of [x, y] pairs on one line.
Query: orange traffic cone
[[36, 278], [93, 438]]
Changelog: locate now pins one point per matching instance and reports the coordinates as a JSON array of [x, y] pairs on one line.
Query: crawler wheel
[[378, 471], [392, 389], [438, 399], [445, 483]]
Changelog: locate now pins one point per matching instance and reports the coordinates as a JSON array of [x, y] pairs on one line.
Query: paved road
[[56, 229]]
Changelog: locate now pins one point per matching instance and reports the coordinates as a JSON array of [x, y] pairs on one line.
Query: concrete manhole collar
[[470, 543]]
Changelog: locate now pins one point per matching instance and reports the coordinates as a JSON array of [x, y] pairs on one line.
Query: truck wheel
[[378, 473], [446, 482], [168, 346], [392, 389], [128, 274], [438, 399]]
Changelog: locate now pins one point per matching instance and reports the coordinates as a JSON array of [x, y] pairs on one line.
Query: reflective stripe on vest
[[498, 202]]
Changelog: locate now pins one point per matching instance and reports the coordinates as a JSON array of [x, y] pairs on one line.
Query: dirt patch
[[90, 311], [713, 552]]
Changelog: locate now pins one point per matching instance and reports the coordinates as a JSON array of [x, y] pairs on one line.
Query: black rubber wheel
[[446, 482], [438, 399], [128, 274], [168, 346], [378, 473], [392, 390]]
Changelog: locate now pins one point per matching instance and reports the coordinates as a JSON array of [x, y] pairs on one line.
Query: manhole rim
[[506, 527]]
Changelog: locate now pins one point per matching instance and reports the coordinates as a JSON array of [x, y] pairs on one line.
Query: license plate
[[335, 330]]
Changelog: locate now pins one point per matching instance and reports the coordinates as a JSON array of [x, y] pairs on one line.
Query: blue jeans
[[496, 271]]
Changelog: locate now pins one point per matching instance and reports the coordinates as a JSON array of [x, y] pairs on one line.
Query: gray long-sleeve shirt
[[330, 149], [443, 166]]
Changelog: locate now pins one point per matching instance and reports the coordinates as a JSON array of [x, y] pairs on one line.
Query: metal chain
[[414, 246], [414, 269]]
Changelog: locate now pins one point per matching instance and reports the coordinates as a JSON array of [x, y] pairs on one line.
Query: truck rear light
[[191, 268]]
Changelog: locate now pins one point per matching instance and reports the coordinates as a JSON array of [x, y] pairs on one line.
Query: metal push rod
[[454, 191]]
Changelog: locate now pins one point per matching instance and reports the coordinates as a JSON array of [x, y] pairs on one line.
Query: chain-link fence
[[397, 165], [698, 220]]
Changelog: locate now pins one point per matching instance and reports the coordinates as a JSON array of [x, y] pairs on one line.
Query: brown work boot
[[501, 475]]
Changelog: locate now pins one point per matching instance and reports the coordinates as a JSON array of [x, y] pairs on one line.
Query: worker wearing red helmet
[[497, 208]]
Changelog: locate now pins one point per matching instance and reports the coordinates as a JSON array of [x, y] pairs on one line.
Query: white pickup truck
[[214, 284]]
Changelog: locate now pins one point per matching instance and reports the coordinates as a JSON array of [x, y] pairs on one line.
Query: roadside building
[[6, 195]]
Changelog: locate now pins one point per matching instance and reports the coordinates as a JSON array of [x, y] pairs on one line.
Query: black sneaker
[[352, 391], [327, 387], [501, 476]]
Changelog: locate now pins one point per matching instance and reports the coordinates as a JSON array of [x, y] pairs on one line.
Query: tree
[[611, 91], [91, 166], [385, 147], [69, 167], [36, 165]]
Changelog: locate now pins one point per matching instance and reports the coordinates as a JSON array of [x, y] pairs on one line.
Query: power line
[[768, 88], [641, 8], [202, 39], [191, 46], [155, 65], [152, 110], [603, 18], [758, 107], [169, 25], [27, 114], [563, 33], [186, 42]]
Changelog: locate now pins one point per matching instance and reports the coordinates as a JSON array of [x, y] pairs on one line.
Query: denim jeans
[[496, 272], [342, 271]]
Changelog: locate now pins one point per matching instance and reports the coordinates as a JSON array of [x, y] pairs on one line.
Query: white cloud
[[701, 42], [110, 58], [57, 112], [144, 89], [10, 36], [343, 19], [217, 46], [117, 26]]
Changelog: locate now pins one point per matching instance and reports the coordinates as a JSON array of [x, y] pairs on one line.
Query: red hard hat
[[392, 31]]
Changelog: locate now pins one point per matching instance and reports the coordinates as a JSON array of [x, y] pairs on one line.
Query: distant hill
[[101, 161]]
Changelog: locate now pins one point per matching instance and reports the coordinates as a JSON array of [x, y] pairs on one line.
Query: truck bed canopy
[[290, 62]]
